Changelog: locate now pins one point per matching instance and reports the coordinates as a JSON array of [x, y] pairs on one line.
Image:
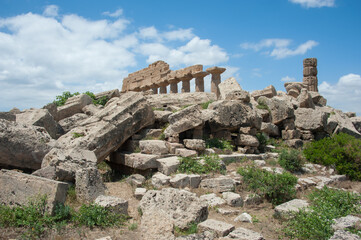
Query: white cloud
[[51, 11], [279, 48], [288, 79], [345, 94], [44, 55], [115, 14], [314, 3]]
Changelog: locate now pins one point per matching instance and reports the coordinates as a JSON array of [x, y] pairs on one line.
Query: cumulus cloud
[[288, 79], [115, 14], [51, 11], [43, 55], [279, 48], [314, 3], [345, 94]]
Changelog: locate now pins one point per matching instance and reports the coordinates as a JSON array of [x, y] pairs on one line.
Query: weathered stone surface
[[180, 99], [220, 229], [180, 181], [268, 92], [343, 223], [139, 193], [194, 180], [231, 90], [168, 165], [291, 134], [318, 99], [67, 162], [220, 184], [22, 146], [162, 116], [8, 116], [160, 180], [181, 206], [294, 143], [135, 160], [91, 109], [233, 199], [344, 235], [245, 234], [285, 210], [305, 99], [88, 184], [108, 94], [72, 106], [16, 189], [356, 121], [173, 146], [270, 129], [183, 120], [281, 109], [247, 140], [73, 121], [109, 128], [244, 217], [156, 147], [310, 119], [252, 199], [212, 199], [198, 236], [162, 230], [230, 115], [195, 144], [136, 180], [345, 124], [294, 88], [185, 152], [114, 204]]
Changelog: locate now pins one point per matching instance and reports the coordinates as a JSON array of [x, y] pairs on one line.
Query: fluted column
[[310, 74], [216, 79], [200, 80]]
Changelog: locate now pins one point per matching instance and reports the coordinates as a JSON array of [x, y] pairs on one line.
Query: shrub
[[191, 229], [262, 105], [206, 164], [262, 139], [341, 151], [276, 188], [219, 143], [326, 204], [291, 160], [61, 99]]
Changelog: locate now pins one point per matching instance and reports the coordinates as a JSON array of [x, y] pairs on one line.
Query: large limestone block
[[280, 107], [72, 122], [168, 165], [212, 199], [156, 147], [305, 99], [220, 229], [231, 90], [88, 184], [184, 120], [270, 129], [268, 92], [343, 223], [8, 116], [16, 189], [180, 99], [162, 116], [219, 184], [110, 127], [66, 162], [310, 119], [195, 144], [356, 121], [72, 106], [245, 234], [230, 115], [160, 180], [40, 118], [344, 124], [156, 225], [285, 210], [112, 203], [181, 206], [22, 146], [247, 140], [318, 99], [135, 160], [344, 235], [108, 94]]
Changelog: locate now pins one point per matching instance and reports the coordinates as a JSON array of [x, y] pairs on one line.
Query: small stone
[[244, 217], [245, 234], [183, 152], [195, 144], [233, 199], [260, 163], [139, 193], [252, 199], [344, 235], [136, 180], [219, 228], [116, 204], [343, 223], [179, 181], [212, 199], [286, 209], [194, 180], [224, 211], [160, 180]]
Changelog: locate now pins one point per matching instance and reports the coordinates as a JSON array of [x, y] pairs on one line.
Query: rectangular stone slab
[[17, 188]]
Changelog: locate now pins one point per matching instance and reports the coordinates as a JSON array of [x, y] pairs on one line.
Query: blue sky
[[48, 47]]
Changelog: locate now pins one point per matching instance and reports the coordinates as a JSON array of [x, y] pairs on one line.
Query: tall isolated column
[[310, 74], [216, 79], [200, 80]]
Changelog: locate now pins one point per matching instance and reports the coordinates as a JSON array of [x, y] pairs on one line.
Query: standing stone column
[[310, 74], [186, 86], [216, 79], [163, 87], [173, 85], [200, 80], [155, 90]]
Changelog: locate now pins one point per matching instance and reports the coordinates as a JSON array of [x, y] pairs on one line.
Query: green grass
[[326, 204], [60, 100], [291, 160], [276, 188], [206, 104], [262, 105], [133, 226], [219, 143], [35, 218], [78, 135], [212, 164], [191, 229]]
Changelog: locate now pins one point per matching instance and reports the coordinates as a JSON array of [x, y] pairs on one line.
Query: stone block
[[185, 152], [139, 193], [72, 106], [194, 180], [220, 229], [115, 204], [245, 234], [17, 188], [168, 165], [195, 144], [285, 210], [88, 184], [135, 160], [135, 180], [291, 134], [212, 199], [157, 147], [160, 180], [219, 184], [180, 181], [233, 199], [244, 217], [247, 140]]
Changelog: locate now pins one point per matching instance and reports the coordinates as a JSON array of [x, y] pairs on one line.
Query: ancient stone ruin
[[158, 75], [310, 74]]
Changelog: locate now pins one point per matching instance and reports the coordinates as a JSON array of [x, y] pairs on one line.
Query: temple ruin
[[158, 76], [310, 74]]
